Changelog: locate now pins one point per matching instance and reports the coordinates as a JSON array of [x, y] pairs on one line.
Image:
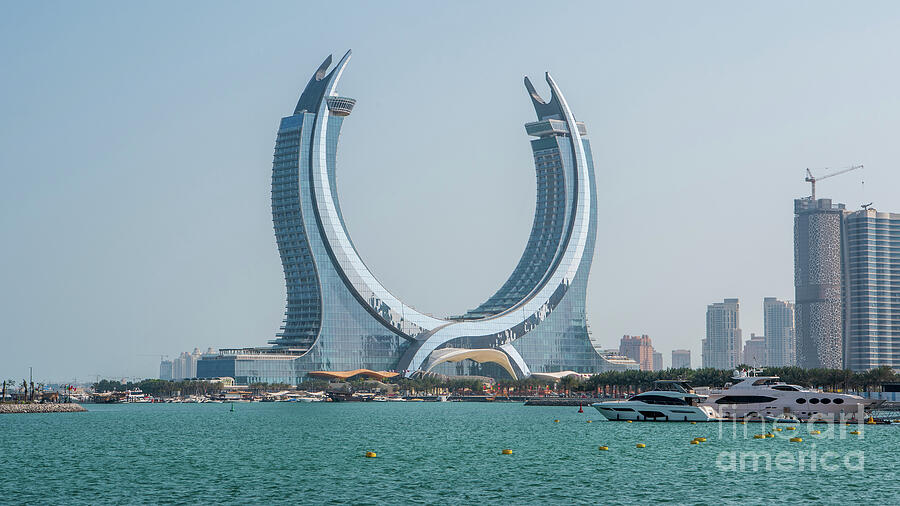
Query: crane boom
[[812, 179], [842, 171]]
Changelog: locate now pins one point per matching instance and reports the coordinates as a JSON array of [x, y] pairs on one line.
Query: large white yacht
[[767, 397], [669, 401]]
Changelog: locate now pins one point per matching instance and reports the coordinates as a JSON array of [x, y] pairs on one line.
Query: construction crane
[[812, 179]]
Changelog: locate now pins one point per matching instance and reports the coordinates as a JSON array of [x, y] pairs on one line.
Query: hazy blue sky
[[136, 147]]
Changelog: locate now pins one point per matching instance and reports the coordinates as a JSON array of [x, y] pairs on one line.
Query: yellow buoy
[[555, 421], [371, 455], [778, 429], [815, 432], [629, 421], [870, 421], [641, 445], [507, 451], [589, 421], [854, 432], [693, 423], [791, 428], [695, 442], [603, 448], [770, 435], [701, 439], [796, 440], [759, 436]]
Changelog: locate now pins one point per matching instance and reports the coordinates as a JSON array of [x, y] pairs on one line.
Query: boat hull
[[642, 412]]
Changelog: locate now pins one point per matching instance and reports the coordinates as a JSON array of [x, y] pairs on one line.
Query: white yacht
[[669, 401], [769, 398]]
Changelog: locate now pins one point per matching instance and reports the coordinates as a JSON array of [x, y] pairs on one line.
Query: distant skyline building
[[872, 289], [818, 226], [681, 359], [165, 369], [754, 353], [657, 361], [184, 366], [722, 346], [639, 349], [339, 317], [780, 339]]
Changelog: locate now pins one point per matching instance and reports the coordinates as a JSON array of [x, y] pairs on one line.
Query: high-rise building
[[872, 289], [657, 361], [338, 315], [722, 346], [681, 359], [165, 369], [818, 226], [183, 366], [754, 353], [779, 332], [639, 349], [847, 278]]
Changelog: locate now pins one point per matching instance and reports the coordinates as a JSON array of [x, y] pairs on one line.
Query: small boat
[[669, 401]]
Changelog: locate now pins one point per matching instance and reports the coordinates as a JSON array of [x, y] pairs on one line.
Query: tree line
[[609, 383], [826, 379], [29, 389], [159, 388]]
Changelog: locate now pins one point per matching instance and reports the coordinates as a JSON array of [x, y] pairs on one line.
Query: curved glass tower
[[338, 316]]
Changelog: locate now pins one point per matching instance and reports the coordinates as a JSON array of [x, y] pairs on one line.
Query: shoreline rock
[[41, 408]]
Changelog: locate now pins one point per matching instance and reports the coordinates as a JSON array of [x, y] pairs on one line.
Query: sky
[[136, 143]]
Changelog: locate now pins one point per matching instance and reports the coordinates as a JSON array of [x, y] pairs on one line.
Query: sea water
[[446, 453]]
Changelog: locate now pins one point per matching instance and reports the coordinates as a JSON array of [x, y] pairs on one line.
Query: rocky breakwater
[[41, 408]]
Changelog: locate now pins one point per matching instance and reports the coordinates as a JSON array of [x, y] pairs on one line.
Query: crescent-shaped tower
[[339, 317]]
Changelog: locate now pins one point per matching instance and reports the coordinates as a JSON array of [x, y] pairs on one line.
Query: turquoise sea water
[[427, 453]]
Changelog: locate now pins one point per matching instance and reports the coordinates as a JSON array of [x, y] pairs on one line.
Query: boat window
[[801, 400], [784, 388], [765, 381], [652, 414], [744, 399], [814, 401], [659, 399], [826, 400], [839, 401]]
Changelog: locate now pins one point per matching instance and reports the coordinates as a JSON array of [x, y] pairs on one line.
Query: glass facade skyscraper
[[338, 316], [779, 332], [872, 289], [722, 346]]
